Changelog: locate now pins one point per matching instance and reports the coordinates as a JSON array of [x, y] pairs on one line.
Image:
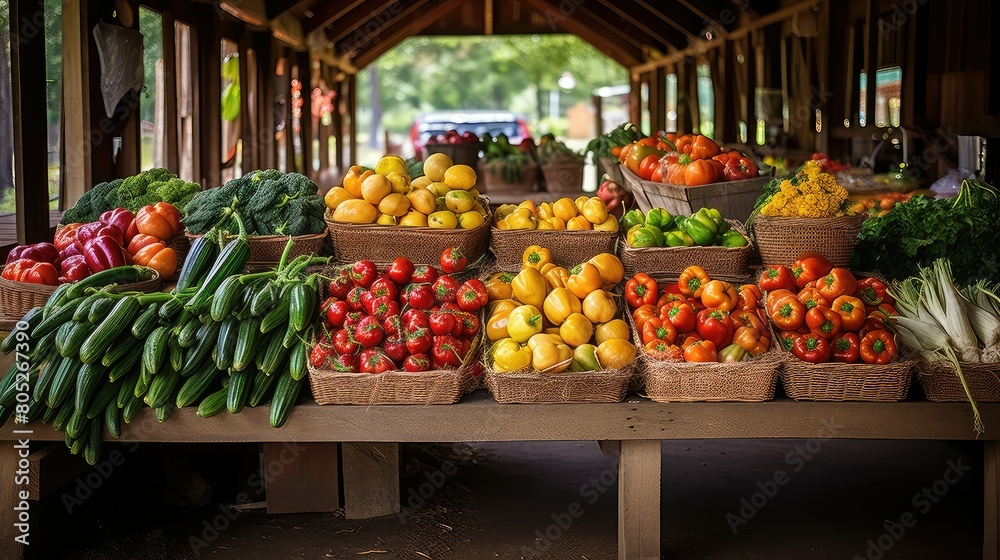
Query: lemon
[[386, 220], [388, 164], [435, 166], [470, 220], [422, 200], [399, 181], [444, 219], [413, 219], [459, 201], [460, 177], [375, 188], [420, 182]]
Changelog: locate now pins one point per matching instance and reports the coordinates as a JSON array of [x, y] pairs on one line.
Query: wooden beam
[[871, 61], [27, 68], [607, 45], [698, 10], [371, 480], [14, 495], [76, 171], [598, 21], [328, 12], [404, 24], [639, 24], [339, 106], [703, 46], [639, 500], [247, 139], [358, 16], [274, 8]]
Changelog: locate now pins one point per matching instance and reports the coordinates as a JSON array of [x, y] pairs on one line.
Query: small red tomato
[[369, 332], [341, 284], [421, 296], [424, 274], [343, 342], [453, 260], [414, 319], [346, 363], [417, 362], [363, 273], [336, 312], [374, 360], [395, 347], [354, 298], [445, 289], [320, 354], [401, 271], [419, 340], [384, 287], [442, 322]]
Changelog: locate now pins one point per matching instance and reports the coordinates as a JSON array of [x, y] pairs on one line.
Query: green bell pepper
[[732, 238], [698, 231], [703, 217], [660, 219], [678, 238], [645, 236], [632, 218], [732, 354]]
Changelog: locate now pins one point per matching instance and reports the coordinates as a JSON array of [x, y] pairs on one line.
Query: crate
[[734, 199], [563, 179], [491, 181]]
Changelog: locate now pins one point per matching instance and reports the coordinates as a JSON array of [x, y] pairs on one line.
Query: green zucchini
[[196, 384], [291, 336], [226, 297], [87, 380], [132, 407], [77, 423], [303, 306], [240, 383], [229, 333], [148, 320], [176, 353], [163, 411], [213, 404], [126, 344], [125, 366], [162, 388], [186, 337], [112, 419], [278, 314], [48, 372], [106, 394], [62, 381], [35, 409], [27, 324], [197, 262], [8, 399], [261, 385], [231, 260], [263, 299], [207, 337], [118, 275], [142, 383], [92, 448], [62, 336], [56, 319], [76, 338], [285, 395], [246, 344], [274, 355], [126, 389], [82, 312], [297, 361], [62, 416], [49, 414], [171, 309], [154, 351], [120, 316], [99, 310]]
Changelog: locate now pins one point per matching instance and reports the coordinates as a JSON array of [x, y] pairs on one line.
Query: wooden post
[[10, 495], [210, 111], [639, 500], [305, 120], [249, 142], [598, 114], [27, 69], [991, 502], [371, 480], [172, 148], [301, 477], [635, 100], [656, 101], [76, 104], [352, 110], [338, 129]]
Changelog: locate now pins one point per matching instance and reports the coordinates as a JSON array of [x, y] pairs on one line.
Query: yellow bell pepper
[[556, 222], [584, 279], [556, 277], [529, 287], [545, 211], [612, 270], [498, 286], [578, 223], [576, 330], [559, 304], [599, 306], [496, 325], [549, 357], [541, 337], [502, 304], [524, 322], [615, 353], [612, 330], [536, 256], [508, 355], [522, 218]]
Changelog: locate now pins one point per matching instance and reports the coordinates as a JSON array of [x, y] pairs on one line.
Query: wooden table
[[635, 428]]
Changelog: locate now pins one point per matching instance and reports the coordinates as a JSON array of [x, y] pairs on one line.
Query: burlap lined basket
[[569, 248], [563, 179], [17, 298], [781, 240], [530, 386], [493, 181], [805, 381], [941, 383], [266, 250], [443, 386], [422, 245], [723, 263]]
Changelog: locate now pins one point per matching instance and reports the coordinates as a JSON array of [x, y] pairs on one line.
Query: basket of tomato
[[702, 339], [688, 172], [833, 327], [402, 334]]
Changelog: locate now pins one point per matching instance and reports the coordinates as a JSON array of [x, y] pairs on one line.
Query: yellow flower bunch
[[810, 194]]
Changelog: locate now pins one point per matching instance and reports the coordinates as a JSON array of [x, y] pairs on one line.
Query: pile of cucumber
[[91, 358]]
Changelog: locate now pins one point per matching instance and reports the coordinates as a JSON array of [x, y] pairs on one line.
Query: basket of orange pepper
[[833, 327], [702, 339]]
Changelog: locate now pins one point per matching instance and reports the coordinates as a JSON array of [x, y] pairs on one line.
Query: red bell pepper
[[102, 253], [453, 260], [878, 347], [95, 230], [73, 269], [788, 313], [839, 282], [447, 352], [70, 251], [120, 217], [811, 348], [700, 351], [658, 329], [681, 316], [787, 339], [749, 297], [823, 322], [776, 278], [810, 297], [846, 348], [472, 296], [852, 312], [716, 326], [39, 252], [641, 290], [32, 272], [65, 236], [873, 292], [809, 267], [737, 166]]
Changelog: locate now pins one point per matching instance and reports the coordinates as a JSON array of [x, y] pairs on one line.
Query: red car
[[467, 123]]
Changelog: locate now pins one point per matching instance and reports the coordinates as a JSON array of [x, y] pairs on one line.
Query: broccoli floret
[[205, 210], [173, 190], [301, 215], [90, 206]]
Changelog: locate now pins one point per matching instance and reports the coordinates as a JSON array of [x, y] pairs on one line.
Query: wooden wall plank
[[639, 500], [76, 104], [371, 480], [301, 478], [170, 93], [209, 102], [305, 133]]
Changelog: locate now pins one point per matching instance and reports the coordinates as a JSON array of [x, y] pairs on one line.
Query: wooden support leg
[[371, 479], [10, 548], [301, 477], [991, 502], [639, 500]]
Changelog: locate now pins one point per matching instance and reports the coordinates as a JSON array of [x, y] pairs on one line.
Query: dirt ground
[[722, 500]]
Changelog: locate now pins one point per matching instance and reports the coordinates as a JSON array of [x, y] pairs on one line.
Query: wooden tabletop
[[479, 418]]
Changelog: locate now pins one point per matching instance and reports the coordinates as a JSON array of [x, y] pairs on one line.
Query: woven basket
[[493, 181], [445, 386], [422, 245], [805, 381], [529, 386], [782, 240], [941, 384], [17, 298], [181, 245], [563, 178], [266, 250], [749, 381], [569, 248], [723, 263]]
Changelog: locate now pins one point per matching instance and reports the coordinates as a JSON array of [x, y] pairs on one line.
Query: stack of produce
[[509, 162], [452, 137], [688, 160], [958, 327], [880, 205], [555, 151], [609, 145], [825, 314], [658, 228], [270, 203], [117, 238], [97, 357], [811, 193], [925, 229], [546, 318], [132, 193], [445, 197], [696, 319], [583, 213], [402, 318]]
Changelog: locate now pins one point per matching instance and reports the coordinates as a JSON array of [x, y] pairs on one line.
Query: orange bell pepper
[[752, 340], [141, 240], [692, 281], [159, 257], [583, 279], [160, 220], [719, 295]]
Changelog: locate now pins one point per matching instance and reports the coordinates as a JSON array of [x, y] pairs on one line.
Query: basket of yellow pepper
[[808, 212]]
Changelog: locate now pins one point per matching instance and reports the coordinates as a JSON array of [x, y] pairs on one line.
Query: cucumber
[[62, 381], [99, 310], [261, 385], [303, 306], [278, 314], [246, 343], [125, 366], [62, 416], [92, 447], [58, 316], [154, 351], [142, 383], [291, 336], [162, 388], [35, 409], [298, 360], [82, 312], [273, 355], [225, 299], [48, 414], [57, 298], [176, 353], [120, 316], [118, 275], [208, 336], [197, 262], [77, 423], [285, 395], [105, 395], [186, 338], [240, 383], [263, 299], [76, 338], [229, 333], [163, 411], [132, 407], [48, 372], [126, 389], [231, 260], [112, 419], [171, 308], [8, 399], [27, 324], [62, 335], [87, 380], [196, 384], [121, 349], [213, 404], [148, 320]]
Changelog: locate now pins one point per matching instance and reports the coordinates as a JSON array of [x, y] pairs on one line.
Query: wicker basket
[[723, 263], [782, 240], [460, 154], [530, 386], [569, 248], [17, 298], [492, 180], [750, 381], [735, 199], [941, 384], [422, 245], [563, 179], [805, 381], [445, 386], [266, 250], [181, 245]]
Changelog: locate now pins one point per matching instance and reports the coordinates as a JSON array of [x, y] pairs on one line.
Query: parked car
[[475, 122]]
